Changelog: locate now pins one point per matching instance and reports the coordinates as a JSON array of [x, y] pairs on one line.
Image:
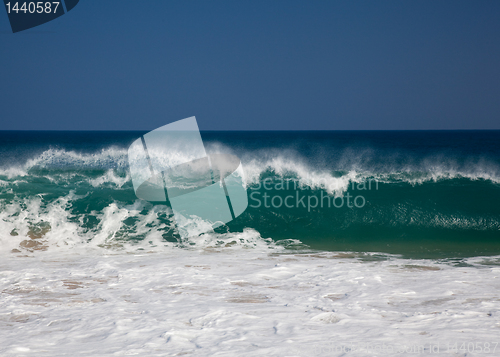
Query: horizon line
[[249, 130]]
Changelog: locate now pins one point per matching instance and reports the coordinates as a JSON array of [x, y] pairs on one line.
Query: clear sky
[[255, 65]]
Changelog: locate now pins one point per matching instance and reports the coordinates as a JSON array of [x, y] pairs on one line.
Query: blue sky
[[255, 65]]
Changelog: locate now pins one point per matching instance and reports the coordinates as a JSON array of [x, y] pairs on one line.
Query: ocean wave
[[332, 173], [90, 220], [64, 199]]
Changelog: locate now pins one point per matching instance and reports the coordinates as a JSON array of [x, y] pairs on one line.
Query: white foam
[[242, 302], [108, 157], [120, 227], [357, 165], [285, 167], [110, 177]]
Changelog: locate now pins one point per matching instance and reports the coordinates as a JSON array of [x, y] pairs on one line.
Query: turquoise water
[[420, 194]]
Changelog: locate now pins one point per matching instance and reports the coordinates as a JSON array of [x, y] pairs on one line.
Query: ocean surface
[[421, 194], [351, 240]]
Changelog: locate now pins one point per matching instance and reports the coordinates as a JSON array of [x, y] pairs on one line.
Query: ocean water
[[351, 239]]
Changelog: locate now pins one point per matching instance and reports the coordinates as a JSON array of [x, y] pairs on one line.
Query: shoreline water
[[246, 302]]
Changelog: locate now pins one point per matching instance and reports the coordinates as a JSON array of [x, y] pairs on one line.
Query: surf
[[431, 202]]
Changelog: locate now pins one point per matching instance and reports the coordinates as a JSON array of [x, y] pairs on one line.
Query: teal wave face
[[459, 217]]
